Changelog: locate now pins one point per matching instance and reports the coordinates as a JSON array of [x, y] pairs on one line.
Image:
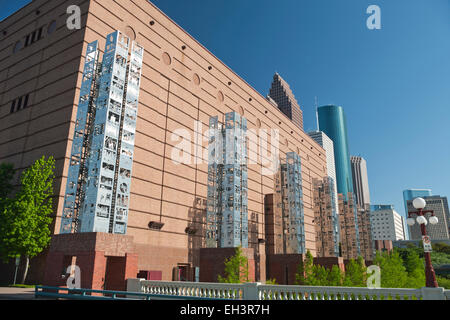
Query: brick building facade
[[182, 84]]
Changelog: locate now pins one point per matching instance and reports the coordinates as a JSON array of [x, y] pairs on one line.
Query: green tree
[[6, 187], [305, 272], [25, 219], [355, 273], [319, 278], [6, 176], [443, 282], [335, 277], [236, 268], [439, 258], [416, 270], [271, 281], [441, 247], [393, 272]]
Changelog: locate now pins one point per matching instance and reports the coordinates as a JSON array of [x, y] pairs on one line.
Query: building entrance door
[[182, 272], [115, 273]]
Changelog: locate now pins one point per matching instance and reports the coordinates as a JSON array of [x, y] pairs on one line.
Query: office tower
[[411, 194], [179, 88], [326, 217], [387, 224], [439, 231], [288, 216], [99, 179], [325, 142], [282, 94], [227, 212], [332, 122], [360, 181], [362, 197], [349, 231]]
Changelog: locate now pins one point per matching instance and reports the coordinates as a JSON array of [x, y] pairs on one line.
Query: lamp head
[[419, 203], [434, 220], [421, 220], [410, 221]]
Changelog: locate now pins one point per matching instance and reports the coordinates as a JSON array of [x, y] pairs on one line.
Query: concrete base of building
[[212, 263], [104, 260]]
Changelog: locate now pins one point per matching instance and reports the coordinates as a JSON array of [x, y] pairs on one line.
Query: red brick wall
[[118, 250], [283, 267], [329, 262], [212, 262]]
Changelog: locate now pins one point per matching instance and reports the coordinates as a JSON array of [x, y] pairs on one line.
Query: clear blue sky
[[393, 83]]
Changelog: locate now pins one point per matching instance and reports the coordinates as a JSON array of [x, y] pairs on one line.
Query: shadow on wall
[[253, 240], [196, 230]]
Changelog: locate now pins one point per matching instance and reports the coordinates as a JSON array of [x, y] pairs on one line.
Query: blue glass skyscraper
[[332, 121]]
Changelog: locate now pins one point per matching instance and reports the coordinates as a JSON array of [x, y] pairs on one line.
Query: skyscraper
[[282, 94], [332, 121], [440, 231], [360, 181], [411, 194], [326, 206], [322, 139], [362, 199], [387, 224]]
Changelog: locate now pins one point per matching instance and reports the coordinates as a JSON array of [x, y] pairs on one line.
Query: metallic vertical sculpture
[[103, 156], [227, 212], [76, 176], [215, 174], [289, 214], [326, 218], [104, 200], [118, 221]]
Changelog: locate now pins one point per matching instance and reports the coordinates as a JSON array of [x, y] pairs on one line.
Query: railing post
[[134, 285], [429, 293], [250, 290]]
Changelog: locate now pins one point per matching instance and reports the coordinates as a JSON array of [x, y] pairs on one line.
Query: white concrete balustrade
[[258, 291]]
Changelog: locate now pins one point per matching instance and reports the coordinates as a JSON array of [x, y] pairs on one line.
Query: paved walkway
[[9, 293]]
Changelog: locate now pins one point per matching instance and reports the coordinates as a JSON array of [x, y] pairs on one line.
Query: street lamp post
[[419, 204]]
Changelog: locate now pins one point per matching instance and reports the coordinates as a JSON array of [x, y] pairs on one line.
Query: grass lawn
[[22, 285]]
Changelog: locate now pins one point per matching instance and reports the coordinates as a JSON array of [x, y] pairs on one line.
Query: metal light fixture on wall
[[155, 225]]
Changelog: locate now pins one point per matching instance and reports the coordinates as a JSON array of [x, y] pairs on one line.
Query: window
[[13, 104], [39, 35], [51, 27], [17, 46], [19, 104], [16, 104], [33, 37], [25, 102], [27, 39]]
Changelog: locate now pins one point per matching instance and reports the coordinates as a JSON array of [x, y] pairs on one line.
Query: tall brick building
[[182, 84]]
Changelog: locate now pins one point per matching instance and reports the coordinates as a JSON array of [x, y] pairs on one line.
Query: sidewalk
[[9, 293]]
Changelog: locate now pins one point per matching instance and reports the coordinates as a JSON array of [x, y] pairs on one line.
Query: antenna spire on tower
[[317, 112]]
